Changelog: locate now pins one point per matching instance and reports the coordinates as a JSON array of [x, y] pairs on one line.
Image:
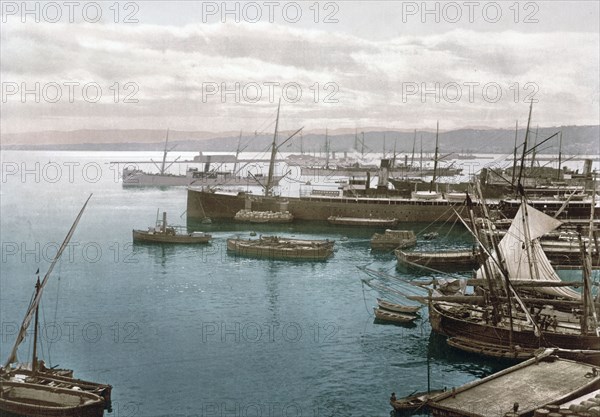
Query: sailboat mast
[[326, 150], [162, 167], [35, 330], [435, 159], [525, 145], [534, 146], [273, 153], [412, 158], [237, 154], [559, 156], [514, 167], [421, 158]]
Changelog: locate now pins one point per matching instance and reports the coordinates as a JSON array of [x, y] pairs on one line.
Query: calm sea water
[[193, 331]]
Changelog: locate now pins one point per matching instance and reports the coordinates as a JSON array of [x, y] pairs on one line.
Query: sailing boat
[[36, 391]]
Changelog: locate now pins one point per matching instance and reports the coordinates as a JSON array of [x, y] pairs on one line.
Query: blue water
[[193, 331]]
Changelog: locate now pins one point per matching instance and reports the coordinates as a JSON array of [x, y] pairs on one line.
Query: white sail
[[38, 296], [523, 255]]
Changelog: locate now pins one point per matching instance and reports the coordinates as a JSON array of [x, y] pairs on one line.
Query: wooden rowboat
[[34, 400], [415, 402], [393, 317], [397, 308]]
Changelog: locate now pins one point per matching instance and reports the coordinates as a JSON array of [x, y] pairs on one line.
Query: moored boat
[[164, 233], [36, 391], [273, 247], [414, 402], [397, 308], [393, 239], [444, 260], [393, 317], [361, 221], [34, 400]]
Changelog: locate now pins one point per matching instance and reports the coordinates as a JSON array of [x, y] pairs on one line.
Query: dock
[[533, 384]]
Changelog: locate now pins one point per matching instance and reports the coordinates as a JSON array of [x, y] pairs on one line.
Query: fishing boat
[[164, 233], [273, 247], [393, 317], [250, 216], [359, 221], [443, 260], [397, 308], [33, 390], [544, 380], [393, 239], [514, 323]]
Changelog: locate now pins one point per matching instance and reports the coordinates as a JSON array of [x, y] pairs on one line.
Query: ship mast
[[412, 158], [269, 185], [559, 156], [514, 167], [525, 146], [435, 159], [162, 167], [34, 363]]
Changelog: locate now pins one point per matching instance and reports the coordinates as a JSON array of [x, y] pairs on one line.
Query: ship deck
[[531, 386]]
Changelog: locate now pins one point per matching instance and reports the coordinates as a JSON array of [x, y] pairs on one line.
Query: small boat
[[33, 390], [360, 221], [273, 247], [426, 195], [264, 216], [415, 402], [397, 308], [393, 239], [34, 400], [385, 315], [163, 233], [445, 261]]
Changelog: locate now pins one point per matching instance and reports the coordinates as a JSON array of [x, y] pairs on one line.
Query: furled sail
[[38, 296], [523, 255]]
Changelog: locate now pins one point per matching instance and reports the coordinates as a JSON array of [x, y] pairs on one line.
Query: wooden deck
[[530, 384]]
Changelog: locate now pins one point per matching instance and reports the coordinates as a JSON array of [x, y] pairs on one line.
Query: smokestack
[[384, 174]]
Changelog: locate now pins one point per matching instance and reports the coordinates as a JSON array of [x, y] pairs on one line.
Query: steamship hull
[[205, 204]]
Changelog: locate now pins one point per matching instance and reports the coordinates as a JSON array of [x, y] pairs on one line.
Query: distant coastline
[[577, 140]]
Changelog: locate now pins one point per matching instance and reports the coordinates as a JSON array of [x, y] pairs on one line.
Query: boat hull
[[454, 326], [283, 251], [202, 204], [32, 400], [137, 179], [146, 237], [445, 261]]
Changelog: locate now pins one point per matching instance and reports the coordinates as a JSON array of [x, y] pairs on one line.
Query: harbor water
[[192, 330]]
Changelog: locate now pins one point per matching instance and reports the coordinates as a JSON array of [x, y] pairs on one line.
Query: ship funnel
[[384, 174]]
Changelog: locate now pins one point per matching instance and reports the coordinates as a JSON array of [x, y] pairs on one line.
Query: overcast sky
[[355, 64]]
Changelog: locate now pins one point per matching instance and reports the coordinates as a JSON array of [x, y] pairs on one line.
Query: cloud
[[170, 68]]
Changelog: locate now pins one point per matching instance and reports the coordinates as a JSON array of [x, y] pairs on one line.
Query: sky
[[223, 66]]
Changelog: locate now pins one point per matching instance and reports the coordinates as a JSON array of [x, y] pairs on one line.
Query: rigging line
[[362, 284]]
